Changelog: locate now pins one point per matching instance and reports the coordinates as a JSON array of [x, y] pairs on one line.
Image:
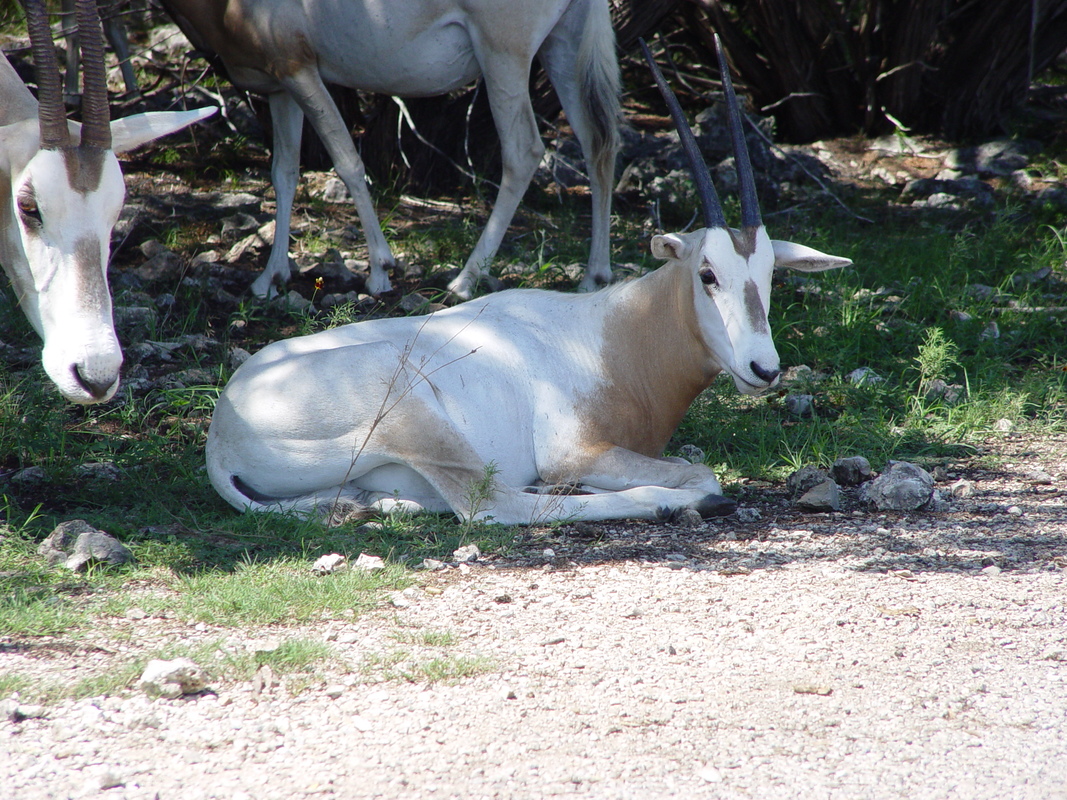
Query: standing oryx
[[61, 191], [461, 409], [416, 48]]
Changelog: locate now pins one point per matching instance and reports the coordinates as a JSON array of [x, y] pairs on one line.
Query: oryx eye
[[707, 275], [27, 202]]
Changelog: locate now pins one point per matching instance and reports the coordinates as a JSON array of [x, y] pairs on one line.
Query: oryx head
[[63, 194], [732, 268]]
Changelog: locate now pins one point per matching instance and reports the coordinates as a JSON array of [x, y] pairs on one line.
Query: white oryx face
[[732, 268], [65, 203], [61, 192], [732, 271]]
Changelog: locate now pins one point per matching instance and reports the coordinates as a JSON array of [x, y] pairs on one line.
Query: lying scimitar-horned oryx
[[416, 48], [61, 191], [538, 386]]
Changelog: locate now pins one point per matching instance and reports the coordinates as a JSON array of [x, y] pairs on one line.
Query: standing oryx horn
[[96, 117], [709, 199], [50, 110]]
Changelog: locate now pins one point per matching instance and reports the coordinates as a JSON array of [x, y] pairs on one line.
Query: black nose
[[767, 375], [97, 389]]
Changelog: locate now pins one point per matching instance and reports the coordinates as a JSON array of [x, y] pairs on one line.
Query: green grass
[[908, 310]]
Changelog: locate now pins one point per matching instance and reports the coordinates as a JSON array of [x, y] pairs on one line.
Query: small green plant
[[937, 356], [478, 497], [427, 638]]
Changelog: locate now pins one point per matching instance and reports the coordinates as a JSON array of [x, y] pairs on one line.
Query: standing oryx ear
[[131, 132], [671, 246], [788, 255]]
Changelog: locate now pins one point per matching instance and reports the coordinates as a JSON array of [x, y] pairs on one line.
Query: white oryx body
[[61, 191], [581, 390], [288, 48]]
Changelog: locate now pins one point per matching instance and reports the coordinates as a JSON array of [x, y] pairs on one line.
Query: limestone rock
[[172, 679], [76, 544], [805, 478], [824, 496], [902, 487], [851, 471]]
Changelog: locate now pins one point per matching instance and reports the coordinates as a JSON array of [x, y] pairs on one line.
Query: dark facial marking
[[85, 165], [757, 315], [93, 284], [744, 241]]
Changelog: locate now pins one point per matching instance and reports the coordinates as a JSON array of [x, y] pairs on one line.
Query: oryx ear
[[671, 246], [788, 255], [131, 132]]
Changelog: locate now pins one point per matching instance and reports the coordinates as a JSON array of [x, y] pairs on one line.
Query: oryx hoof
[[714, 505]]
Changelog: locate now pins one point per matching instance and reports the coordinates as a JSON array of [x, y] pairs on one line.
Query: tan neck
[[655, 362]]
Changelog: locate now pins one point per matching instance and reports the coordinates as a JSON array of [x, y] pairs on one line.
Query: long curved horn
[[746, 180], [51, 112], [96, 119], [709, 198]]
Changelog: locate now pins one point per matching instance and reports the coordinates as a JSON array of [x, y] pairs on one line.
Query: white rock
[[328, 564], [962, 488], [747, 515], [368, 563], [865, 376], [469, 552], [710, 775], [172, 678]]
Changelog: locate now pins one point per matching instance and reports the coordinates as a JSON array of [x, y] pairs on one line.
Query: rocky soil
[[793, 655]]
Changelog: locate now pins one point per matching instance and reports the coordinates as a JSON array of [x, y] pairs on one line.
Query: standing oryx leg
[[584, 73], [117, 37], [521, 150], [287, 121], [312, 97]]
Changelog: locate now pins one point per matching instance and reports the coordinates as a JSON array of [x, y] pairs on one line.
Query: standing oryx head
[[733, 267], [61, 192]]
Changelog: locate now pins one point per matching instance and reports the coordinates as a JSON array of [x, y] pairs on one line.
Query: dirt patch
[[798, 655]]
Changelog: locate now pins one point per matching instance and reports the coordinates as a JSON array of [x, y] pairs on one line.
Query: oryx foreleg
[[616, 469], [311, 95], [286, 123], [521, 149]]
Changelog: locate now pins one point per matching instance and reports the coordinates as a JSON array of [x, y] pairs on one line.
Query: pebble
[[748, 515], [328, 564], [469, 552], [369, 563], [962, 489]]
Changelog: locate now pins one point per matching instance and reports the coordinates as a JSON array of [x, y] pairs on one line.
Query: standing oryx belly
[[290, 50]]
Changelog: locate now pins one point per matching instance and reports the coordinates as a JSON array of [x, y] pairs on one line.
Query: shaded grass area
[[918, 307]]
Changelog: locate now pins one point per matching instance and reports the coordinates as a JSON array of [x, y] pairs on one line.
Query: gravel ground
[[847, 655]]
